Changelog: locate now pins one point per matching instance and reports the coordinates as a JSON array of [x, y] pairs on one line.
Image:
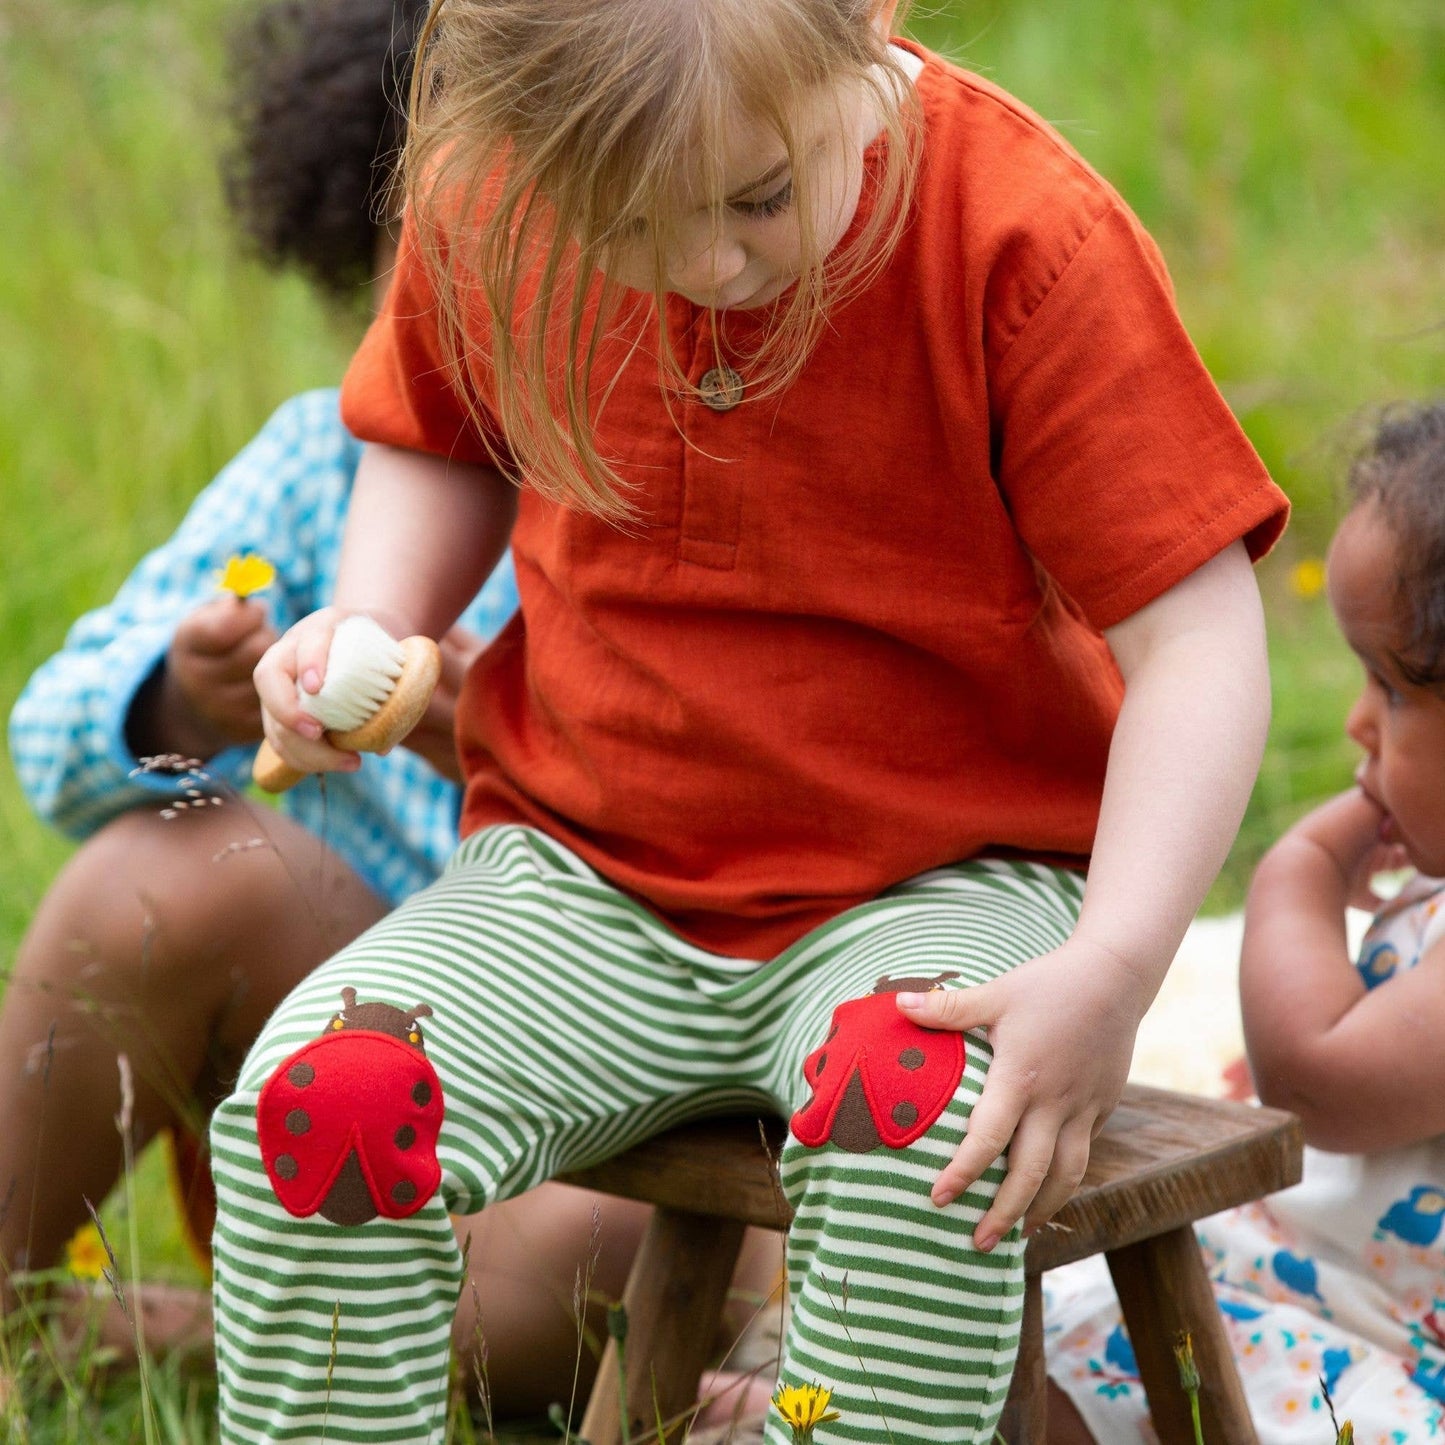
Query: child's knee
[[878, 1080]]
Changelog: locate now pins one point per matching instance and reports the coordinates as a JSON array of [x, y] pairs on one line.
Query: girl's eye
[[773, 205]]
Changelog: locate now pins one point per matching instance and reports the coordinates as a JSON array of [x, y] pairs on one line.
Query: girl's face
[[748, 251], [1399, 724]]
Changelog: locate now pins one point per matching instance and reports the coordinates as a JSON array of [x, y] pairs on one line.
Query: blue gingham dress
[[285, 497]]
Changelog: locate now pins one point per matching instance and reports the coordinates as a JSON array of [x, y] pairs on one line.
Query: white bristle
[[361, 669]]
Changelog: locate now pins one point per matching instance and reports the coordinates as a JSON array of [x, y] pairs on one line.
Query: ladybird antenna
[[422, 1011], [348, 997]]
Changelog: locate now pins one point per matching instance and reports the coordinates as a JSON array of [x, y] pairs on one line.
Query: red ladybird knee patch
[[348, 1125], [879, 1078]]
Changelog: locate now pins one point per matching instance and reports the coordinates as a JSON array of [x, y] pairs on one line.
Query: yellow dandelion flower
[[245, 575], [804, 1407], [1307, 578], [85, 1255]]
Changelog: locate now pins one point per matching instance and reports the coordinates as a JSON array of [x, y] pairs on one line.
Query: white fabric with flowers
[[1339, 1280]]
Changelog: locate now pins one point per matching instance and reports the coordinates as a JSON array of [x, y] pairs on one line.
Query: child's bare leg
[[529, 1257], [169, 941], [1066, 1425]]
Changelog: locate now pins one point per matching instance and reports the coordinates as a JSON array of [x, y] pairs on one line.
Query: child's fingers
[[275, 680], [990, 1128], [305, 754], [951, 1008], [1066, 1172], [1030, 1156], [298, 655], [313, 643], [999, 1107], [221, 625], [1048, 1151]]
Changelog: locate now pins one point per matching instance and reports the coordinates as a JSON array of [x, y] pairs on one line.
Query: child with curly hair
[[1339, 1283], [171, 940]]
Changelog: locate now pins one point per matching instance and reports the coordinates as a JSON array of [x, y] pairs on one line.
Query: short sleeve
[[1122, 466], [401, 389]]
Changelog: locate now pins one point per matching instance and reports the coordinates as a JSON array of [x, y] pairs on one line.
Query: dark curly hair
[[1403, 470], [319, 112]]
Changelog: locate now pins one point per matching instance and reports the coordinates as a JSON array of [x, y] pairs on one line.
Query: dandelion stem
[[1189, 1379]]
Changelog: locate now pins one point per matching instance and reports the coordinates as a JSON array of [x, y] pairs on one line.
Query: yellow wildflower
[[804, 1407], [85, 1254], [245, 575], [1307, 578]]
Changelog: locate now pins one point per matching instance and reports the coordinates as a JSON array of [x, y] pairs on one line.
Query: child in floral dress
[[1339, 1283]]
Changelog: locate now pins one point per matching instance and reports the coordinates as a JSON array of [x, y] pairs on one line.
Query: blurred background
[[1285, 154]]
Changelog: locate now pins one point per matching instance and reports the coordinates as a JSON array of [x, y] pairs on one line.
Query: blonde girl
[[883, 557]]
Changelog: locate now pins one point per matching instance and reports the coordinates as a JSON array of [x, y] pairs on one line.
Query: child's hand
[[202, 699], [434, 737], [300, 654], [1062, 1028], [1347, 830]]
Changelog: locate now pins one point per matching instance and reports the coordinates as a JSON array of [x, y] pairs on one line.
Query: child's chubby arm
[[422, 534], [1364, 1069], [1183, 758]]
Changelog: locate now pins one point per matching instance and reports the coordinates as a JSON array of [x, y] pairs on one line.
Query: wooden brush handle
[[420, 670], [271, 772]]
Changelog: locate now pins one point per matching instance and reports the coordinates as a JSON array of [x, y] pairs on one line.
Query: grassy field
[[1285, 155]]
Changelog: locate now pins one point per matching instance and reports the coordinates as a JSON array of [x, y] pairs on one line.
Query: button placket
[[713, 464]]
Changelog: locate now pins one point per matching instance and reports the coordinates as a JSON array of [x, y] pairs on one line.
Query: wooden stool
[[1162, 1161]]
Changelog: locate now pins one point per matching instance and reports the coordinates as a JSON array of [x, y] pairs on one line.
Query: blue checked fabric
[[284, 496]]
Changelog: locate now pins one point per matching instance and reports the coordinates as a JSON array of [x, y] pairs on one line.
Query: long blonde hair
[[539, 128]]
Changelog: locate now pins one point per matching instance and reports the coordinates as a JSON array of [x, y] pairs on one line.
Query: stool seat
[[1162, 1161]]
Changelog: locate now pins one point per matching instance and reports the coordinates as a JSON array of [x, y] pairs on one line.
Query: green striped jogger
[[569, 1023]]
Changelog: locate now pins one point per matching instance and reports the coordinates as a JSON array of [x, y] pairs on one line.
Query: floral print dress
[[1337, 1284]]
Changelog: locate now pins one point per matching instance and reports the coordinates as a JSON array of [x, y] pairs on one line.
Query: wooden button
[[721, 388]]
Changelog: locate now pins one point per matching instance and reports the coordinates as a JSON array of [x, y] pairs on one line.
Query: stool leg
[[674, 1298], [1025, 1412], [1164, 1289]]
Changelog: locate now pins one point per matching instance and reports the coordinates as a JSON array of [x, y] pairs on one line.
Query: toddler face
[[749, 250], [1399, 724]]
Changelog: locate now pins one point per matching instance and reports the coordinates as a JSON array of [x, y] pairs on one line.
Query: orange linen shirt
[[856, 631]]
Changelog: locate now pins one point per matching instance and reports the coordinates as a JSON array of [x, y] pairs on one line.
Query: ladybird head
[[382, 1018], [914, 985]]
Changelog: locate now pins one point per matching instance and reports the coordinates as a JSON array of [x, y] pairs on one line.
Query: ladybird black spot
[[298, 1121], [403, 1192], [301, 1075], [905, 1115], [822, 1062], [405, 1137], [421, 1094], [286, 1166], [912, 1058]]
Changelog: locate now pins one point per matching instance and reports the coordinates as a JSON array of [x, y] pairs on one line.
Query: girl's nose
[[706, 264], [1360, 724]]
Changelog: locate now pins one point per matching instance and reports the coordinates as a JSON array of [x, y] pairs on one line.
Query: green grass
[[1281, 153], [1285, 155]]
